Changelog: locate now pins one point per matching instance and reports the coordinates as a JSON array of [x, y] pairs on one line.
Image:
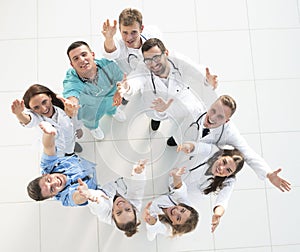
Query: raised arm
[[109, 32], [17, 108], [218, 213], [71, 105], [48, 138], [277, 181], [176, 174]]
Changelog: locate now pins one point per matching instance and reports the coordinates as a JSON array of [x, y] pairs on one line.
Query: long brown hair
[[130, 227], [186, 227], [217, 182], [36, 89]]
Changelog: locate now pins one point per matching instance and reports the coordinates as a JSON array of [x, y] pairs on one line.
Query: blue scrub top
[[94, 100], [73, 167]]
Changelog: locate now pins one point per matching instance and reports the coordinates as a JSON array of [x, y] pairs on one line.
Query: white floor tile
[[239, 228], [59, 222], [275, 53], [77, 25], [281, 102], [171, 21], [17, 219], [284, 219], [16, 79], [258, 19], [211, 18], [272, 146], [24, 26], [21, 166], [228, 53]]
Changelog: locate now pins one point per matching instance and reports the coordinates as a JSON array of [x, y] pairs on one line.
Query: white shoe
[[119, 115], [97, 133]]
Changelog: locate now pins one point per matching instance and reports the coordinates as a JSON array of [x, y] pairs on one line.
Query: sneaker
[[77, 148], [171, 142], [155, 124], [97, 133], [124, 102], [119, 115]]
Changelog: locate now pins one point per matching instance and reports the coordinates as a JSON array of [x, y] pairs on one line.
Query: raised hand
[[146, 215], [160, 105], [85, 193], [123, 86], [17, 107], [211, 79], [109, 31], [280, 183], [177, 172], [71, 107], [215, 222], [47, 128], [186, 148], [139, 168], [117, 99]]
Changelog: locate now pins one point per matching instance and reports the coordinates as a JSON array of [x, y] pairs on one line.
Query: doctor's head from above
[[125, 216], [222, 165], [131, 27], [156, 57], [82, 59], [46, 186], [220, 112]]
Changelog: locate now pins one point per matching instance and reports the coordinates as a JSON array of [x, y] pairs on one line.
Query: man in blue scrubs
[[61, 176]]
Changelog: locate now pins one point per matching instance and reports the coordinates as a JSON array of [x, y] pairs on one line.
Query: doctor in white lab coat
[[164, 82], [118, 202]]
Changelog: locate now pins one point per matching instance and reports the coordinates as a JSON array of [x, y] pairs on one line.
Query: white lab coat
[[186, 105], [231, 136], [197, 182], [65, 126], [175, 197], [133, 192]]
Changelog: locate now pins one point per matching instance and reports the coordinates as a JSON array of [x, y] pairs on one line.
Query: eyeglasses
[[155, 58]]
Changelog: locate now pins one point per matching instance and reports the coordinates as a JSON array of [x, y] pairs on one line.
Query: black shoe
[[155, 124], [124, 102], [77, 148], [171, 142]]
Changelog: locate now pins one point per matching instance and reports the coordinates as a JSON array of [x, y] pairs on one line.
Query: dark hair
[[75, 45], [128, 16], [186, 227], [153, 42], [217, 182], [129, 228], [34, 190], [40, 89], [229, 102]]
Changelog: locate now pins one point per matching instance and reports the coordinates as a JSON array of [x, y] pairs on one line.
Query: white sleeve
[[115, 54], [157, 228], [35, 119], [201, 149], [225, 193], [256, 162], [136, 187], [180, 195], [103, 209]]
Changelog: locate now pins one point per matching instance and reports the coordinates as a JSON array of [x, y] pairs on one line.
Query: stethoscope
[[152, 76], [106, 74], [198, 127], [132, 56]]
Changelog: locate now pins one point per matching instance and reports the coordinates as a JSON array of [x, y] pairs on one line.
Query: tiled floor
[[252, 45]]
